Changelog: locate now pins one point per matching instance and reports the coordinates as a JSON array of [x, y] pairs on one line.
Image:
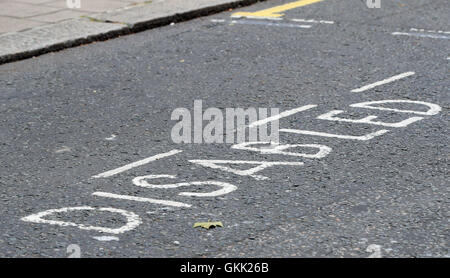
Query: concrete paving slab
[[34, 1], [22, 10], [9, 24], [158, 10], [58, 16], [90, 6], [98, 26], [52, 37]]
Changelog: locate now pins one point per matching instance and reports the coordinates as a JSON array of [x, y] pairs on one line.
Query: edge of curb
[[122, 29]]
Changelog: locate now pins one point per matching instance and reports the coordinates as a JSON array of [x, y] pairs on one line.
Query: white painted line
[[214, 164], [225, 187], [279, 149], [63, 150], [113, 137], [331, 135], [312, 21], [331, 116], [217, 20], [421, 35], [275, 24], [106, 238], [282, 115], [141, 199], [382, 82], [136, 164], [433, 109], [133, 220], [257, 17], [429, 31]]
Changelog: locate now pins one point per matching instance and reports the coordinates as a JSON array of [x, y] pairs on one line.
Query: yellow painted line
[[276, 12]]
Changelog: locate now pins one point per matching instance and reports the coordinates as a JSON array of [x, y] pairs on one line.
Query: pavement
[[35, 27], [25, 14], [89, 167]]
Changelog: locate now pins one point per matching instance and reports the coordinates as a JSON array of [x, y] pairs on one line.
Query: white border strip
[[312, 21], [382, 82], [421, 35], [282, 115], [140, 199], [135, 164]]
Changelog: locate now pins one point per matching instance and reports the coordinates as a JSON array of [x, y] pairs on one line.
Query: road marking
[[265, 23], [331, 116], [106, 238], [382, 82], [279, 116], [433, 108], [421, 35], [112, 138], [429, 31], [133, 220], [276, 11], [249, 172], [258, 17], [312, 21], [275, 148], [225, 187], [141, 199], [331, 135], [282, 115], [136, 164], [63, 150], [375, 249]]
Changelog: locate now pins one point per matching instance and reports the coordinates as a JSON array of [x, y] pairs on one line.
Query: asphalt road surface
[[85, 132]]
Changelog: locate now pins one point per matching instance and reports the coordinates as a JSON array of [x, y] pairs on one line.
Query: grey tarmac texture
[[391, 191]]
